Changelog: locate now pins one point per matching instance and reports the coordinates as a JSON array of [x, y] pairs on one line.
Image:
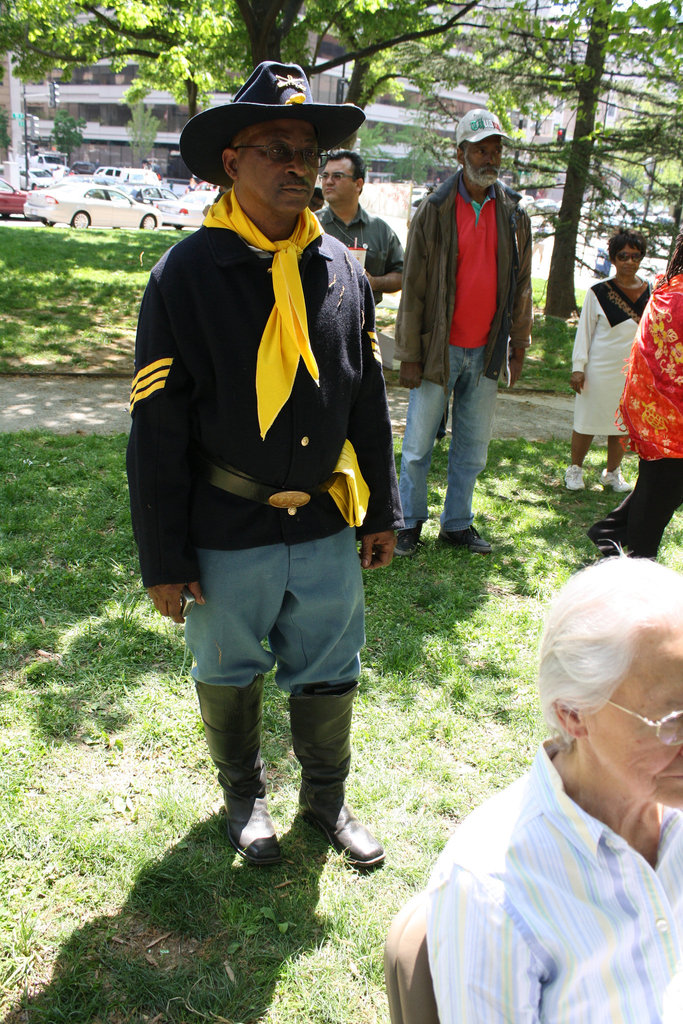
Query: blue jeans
[[305, 599], [474, 403]]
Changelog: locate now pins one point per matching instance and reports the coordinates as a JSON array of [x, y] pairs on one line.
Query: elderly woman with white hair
[[561, 898]]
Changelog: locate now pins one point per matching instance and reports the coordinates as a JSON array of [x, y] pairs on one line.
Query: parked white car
[[150, 194], [38, 177], [188, 210], [82, 204]]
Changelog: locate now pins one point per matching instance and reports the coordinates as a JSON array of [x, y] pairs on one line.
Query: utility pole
[[23, 97]]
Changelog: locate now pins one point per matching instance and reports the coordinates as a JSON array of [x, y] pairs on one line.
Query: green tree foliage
[[372, 33], [142, 131], [184, 47], [67, 132], [423, 149], [193, 47]]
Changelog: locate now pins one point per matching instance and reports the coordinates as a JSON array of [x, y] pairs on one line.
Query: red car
[[11, 199]]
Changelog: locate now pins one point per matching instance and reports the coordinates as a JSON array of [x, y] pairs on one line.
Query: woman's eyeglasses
[[281, 153], [624, 257], [669, 729]]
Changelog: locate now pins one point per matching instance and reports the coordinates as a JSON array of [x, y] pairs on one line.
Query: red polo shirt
[[476, 275]]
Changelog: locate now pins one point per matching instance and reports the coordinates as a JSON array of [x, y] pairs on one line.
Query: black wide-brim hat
[[272, 92]]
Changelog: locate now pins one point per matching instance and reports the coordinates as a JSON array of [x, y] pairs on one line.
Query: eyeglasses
[[669, 729], [281, 153], [624, 257], [336, 176]]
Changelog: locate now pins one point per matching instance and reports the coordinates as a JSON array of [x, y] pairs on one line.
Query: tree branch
[[118, 29], [387, 44]]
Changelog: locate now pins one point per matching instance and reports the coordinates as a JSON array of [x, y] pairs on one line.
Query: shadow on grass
[[65, 292], [423, 612], [202, 935], [538, 519]]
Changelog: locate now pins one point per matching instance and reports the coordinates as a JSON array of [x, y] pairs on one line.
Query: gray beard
[[482, 177]]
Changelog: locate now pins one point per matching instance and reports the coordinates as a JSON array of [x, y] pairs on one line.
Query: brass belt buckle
[[289, 499]]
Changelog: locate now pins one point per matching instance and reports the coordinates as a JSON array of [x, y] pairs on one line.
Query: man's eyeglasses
[[624, 257], [669, 729], [336, 175], [281, 153]]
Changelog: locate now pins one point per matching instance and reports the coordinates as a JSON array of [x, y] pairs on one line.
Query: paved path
[[99, 405], [64, 404]]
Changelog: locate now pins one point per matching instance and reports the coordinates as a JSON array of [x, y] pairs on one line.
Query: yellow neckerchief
[[285, 338]]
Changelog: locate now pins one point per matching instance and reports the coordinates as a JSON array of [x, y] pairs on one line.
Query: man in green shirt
[[343, 177]]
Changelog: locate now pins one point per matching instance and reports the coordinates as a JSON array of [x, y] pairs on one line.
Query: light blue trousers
[[306, 600], [474, 404]]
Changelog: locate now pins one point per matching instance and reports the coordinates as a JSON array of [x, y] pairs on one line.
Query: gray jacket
[[424, 317]]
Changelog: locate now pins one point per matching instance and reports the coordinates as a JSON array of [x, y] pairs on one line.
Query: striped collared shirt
[[539, 912]]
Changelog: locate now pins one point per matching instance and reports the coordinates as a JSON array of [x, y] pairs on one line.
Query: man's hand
[[516, 364], [410, 375], [391, 282], [577, 380], [377, 549], [167, 600]]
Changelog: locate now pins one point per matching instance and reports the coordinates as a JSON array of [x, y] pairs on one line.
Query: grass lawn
[[70, 301], [121, 898]]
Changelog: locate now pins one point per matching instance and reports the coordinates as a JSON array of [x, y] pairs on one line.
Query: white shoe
[[573, 479], [614, 480]]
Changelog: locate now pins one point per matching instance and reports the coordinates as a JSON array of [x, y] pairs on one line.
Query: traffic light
[[561, 132], [53, 88], [342, 84]]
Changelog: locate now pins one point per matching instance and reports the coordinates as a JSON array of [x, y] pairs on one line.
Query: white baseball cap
[[478, 124]]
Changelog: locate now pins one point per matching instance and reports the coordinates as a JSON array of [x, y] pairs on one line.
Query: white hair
[[593, 630]]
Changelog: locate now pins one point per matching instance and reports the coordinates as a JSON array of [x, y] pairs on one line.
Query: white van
[[127, 175], [55, 163]]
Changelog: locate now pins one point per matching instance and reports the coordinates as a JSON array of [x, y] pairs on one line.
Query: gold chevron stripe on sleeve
[[376, 351], [149, 379]]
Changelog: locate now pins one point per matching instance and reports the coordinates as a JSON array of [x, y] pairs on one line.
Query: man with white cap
[[261, 451], [464, 319]]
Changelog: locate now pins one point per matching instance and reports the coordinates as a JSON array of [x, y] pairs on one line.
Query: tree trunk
[[357, 83], [561, 298], [191, 89], [268, 22], [355, 95]]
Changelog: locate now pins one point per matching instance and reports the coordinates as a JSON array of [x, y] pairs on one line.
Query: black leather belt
[[227, 478]]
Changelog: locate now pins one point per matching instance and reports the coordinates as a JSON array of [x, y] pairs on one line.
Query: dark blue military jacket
[[201, 321]]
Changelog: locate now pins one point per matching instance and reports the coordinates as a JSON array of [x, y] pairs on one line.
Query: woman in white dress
[[607, 326]]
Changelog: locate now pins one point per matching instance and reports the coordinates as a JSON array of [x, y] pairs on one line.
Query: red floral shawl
[[652, 403]]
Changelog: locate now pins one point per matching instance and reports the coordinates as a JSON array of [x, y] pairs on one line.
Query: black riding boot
[[321, 735], [232, 724]]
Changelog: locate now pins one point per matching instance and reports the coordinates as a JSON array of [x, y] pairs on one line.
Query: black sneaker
[[468, 538], [408, 540]]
